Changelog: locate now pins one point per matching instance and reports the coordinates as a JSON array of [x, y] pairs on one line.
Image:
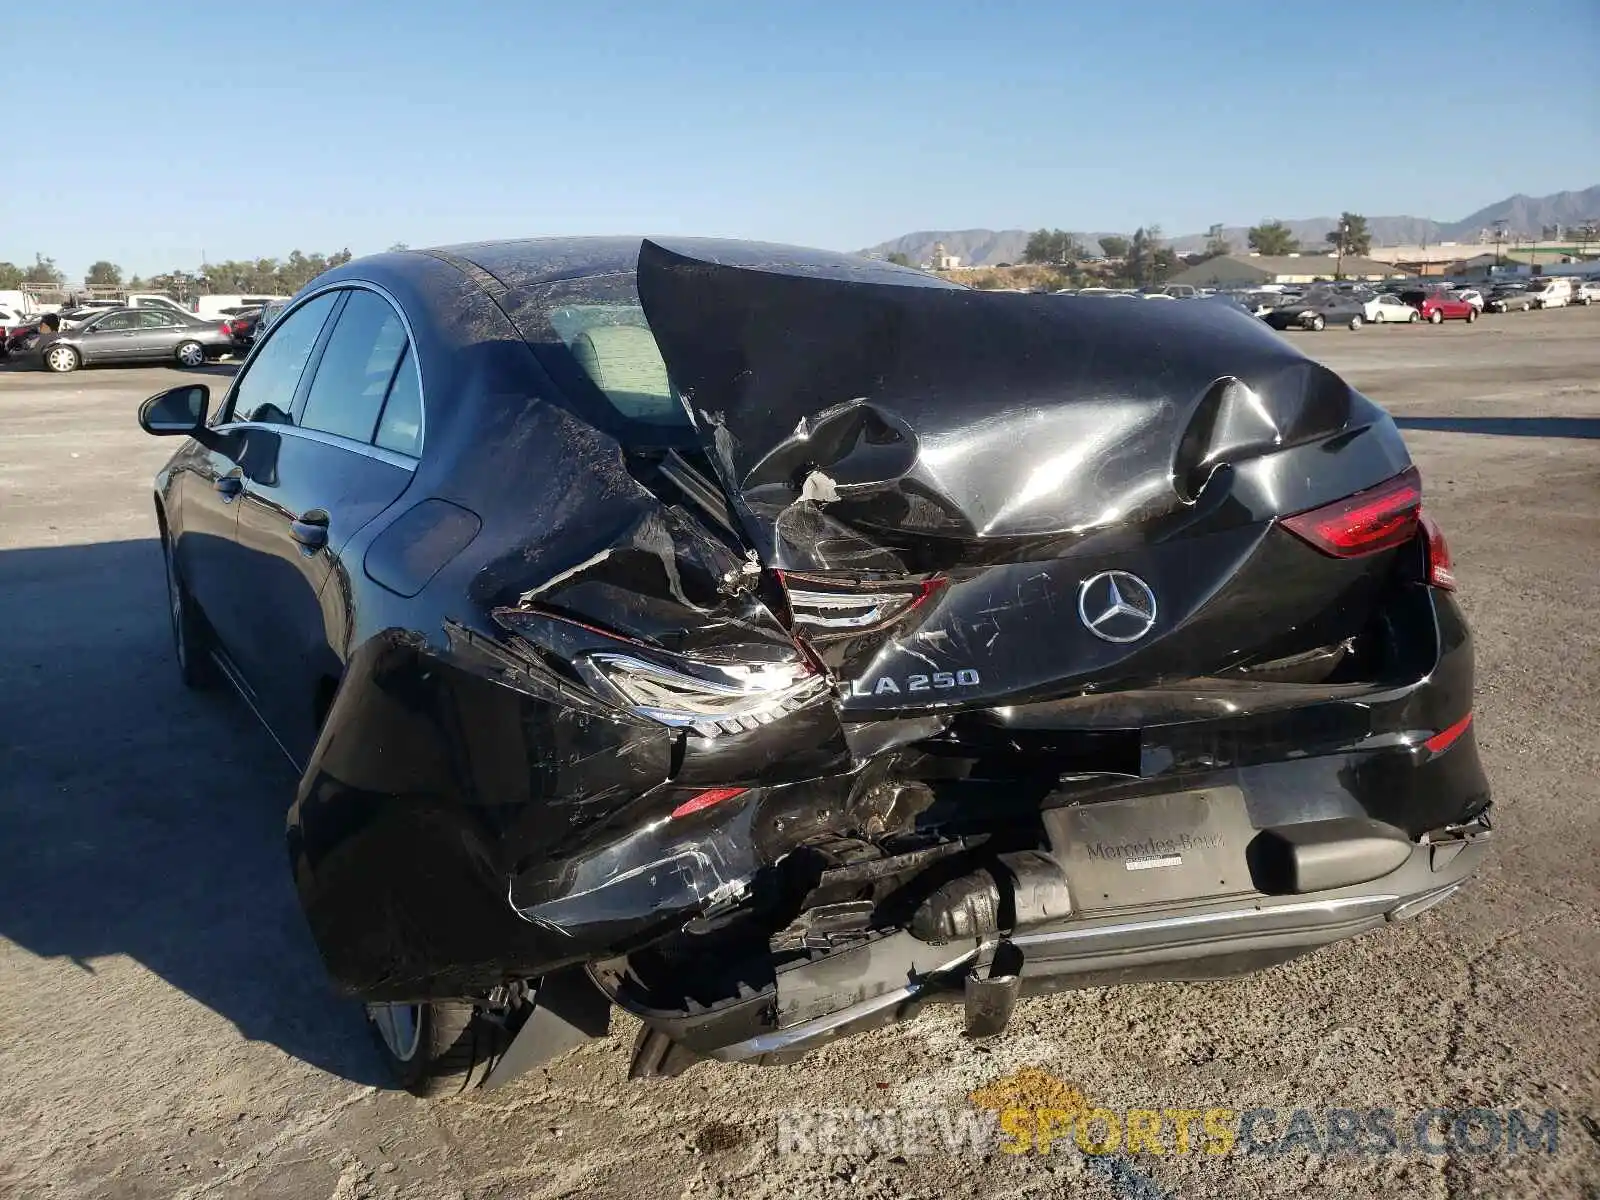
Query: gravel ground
[[165, 1028]]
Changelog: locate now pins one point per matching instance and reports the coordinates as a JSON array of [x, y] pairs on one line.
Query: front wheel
[[1355, 321], [434, 1048], [1435, 317], [1318, 324], [61, 359], [1472, 315], [190, 354], [1413, 318]]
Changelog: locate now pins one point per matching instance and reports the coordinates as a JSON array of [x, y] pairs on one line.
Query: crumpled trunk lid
[[1029, 463]]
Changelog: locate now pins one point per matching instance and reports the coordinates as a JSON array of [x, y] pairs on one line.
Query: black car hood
[[866, 425]]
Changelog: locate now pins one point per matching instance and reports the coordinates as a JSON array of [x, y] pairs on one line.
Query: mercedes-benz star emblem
[[1116, 606]]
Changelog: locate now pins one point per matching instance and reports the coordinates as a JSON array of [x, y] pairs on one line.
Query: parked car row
[[1354, 307]]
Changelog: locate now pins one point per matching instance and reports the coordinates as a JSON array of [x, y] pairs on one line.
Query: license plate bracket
[[1144, 850]]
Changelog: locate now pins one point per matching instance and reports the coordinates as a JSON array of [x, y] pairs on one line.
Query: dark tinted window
[[154, 318], [265, 392], [400, 428], [353, 377], [116, 321]]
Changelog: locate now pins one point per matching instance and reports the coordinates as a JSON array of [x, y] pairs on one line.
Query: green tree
[[399, 246], [1218, 246], [10, 276], [1114, 247], [1054, 246], [1273, 238], [1350, 235], [44, 270], [1163, 263], [899, 259], [103, 274], [1147, 257]]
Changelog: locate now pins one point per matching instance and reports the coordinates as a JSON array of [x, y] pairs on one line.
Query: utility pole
[[1499, 237], [1344, 232]]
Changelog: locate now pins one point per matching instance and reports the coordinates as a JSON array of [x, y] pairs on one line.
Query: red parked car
[[1440, 306]]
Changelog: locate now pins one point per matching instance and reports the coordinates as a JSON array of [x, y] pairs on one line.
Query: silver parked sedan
[[135, 335]]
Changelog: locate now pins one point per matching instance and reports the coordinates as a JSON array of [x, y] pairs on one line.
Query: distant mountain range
[[1525, 215]]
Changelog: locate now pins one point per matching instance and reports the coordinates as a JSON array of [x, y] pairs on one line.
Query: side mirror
[[179, 411]]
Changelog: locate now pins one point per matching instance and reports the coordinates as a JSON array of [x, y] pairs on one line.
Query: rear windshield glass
[[590, 333]]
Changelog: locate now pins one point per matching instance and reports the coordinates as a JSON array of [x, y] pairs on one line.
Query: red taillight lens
[[1379, 518], [706, 799], [227, 329], [1441, 568], [1445, 738]]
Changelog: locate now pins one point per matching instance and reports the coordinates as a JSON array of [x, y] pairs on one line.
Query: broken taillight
[[824, 607], [707, 697], [1379, 518]]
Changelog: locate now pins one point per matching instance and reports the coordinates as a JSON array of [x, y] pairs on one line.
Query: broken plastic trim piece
[[716, 698]]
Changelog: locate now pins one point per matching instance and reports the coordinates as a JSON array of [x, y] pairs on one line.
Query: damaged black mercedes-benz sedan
[[769, 642]]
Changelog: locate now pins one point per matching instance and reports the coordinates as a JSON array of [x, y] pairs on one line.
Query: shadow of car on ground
[[140, 819]]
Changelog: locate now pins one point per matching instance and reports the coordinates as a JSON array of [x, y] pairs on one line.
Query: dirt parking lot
[[166, 1031]]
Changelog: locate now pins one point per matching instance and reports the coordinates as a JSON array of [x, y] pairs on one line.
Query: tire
[[1414, 317], [190, 354], [1472, 315], [1435, 317], [1356, 322], [190, 643], [62, 359], [1318, 324], [434, 1049]]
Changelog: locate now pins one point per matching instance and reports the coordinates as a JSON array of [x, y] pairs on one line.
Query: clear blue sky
[[244, 129]]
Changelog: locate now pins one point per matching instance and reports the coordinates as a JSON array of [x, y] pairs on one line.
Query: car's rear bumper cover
[[1176, 942]]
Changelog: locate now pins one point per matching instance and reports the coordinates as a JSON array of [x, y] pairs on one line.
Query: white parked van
[[211, 307], [1549, 292]]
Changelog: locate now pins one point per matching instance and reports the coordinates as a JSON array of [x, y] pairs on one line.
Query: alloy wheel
[[62, 358], [191, 355]]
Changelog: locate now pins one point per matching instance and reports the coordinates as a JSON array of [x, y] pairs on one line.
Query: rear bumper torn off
[[896, 976]]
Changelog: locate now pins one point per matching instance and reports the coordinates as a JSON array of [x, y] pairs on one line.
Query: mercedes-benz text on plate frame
[[1117, 606]]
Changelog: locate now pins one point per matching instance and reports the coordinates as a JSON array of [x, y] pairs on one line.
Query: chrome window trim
[[347, 285], [366, 449]]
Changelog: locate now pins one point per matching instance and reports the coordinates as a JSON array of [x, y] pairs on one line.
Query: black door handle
[[229, 485], [310, 529]]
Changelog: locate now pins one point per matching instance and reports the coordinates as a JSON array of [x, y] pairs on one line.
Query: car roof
[[528, 262]]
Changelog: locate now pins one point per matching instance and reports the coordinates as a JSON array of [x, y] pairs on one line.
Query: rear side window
[[265, 392], [400, 427], [356, 369], [591, 335], [618, 353]]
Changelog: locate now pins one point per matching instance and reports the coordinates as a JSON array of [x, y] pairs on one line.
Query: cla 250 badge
[[941, 681]]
